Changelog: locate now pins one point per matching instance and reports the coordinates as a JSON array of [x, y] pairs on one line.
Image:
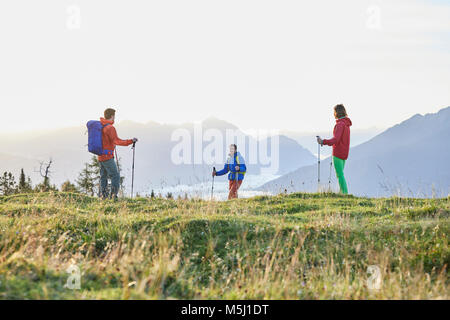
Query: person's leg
[[233, 190], [234, 187], [103, 181], [339, 166], [238, 185], [230, 189], [113, 173]]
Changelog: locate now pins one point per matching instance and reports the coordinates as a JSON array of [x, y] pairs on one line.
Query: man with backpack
[[236, 167], [109, 140]]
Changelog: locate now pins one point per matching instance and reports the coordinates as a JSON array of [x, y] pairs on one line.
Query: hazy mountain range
[[67, 148], [410, 159]]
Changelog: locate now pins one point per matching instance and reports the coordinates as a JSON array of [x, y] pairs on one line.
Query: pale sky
[[258, 64]]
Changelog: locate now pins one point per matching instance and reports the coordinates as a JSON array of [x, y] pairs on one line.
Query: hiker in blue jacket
[[236, 168]]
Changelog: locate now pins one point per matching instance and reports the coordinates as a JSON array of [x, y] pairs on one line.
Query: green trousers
[[339, 165]]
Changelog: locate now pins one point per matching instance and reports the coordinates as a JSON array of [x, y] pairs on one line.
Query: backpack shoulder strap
[[238, 162], [239, 159]]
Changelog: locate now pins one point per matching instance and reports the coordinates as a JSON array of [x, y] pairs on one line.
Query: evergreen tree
[[152, 194], [22, 180], [85, 181], [8, 184], [94, 168], [24, 183]]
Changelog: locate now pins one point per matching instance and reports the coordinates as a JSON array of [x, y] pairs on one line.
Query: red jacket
[[111, 140], [341, 138]]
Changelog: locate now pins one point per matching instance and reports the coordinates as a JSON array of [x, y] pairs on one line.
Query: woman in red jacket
[[340, 143]]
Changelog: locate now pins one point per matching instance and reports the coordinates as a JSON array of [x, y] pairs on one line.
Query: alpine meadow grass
[[295, 246]]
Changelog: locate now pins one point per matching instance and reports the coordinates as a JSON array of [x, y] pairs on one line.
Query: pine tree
[[94, 168], [152, 194], [22, 180], [85, 181], [8, 184], [24, 183]]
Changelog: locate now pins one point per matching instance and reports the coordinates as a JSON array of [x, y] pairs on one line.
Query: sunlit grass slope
[[297, 246]]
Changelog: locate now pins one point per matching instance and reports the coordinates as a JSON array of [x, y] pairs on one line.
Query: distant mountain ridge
[[410, 159], [67, 147]]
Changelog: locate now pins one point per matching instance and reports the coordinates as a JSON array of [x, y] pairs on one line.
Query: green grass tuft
[[296, 246]]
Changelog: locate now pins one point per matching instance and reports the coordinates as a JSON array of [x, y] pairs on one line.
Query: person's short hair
[[109, 113], [340, 111]]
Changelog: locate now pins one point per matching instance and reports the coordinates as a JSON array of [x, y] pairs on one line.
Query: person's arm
[[117, 141], [337, 136], [223, 171]]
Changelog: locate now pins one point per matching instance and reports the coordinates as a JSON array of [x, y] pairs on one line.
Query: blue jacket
[[229, 167]]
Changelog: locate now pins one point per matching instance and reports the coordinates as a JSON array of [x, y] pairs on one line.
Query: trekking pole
[[132, 169], [318, 165], [329, 178], [212, 188]]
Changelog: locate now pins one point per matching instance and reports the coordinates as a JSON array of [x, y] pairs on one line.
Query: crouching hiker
[[340, 143], [103, 140], [236, 168]]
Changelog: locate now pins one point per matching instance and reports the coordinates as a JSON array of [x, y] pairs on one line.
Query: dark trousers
[[108, 169]]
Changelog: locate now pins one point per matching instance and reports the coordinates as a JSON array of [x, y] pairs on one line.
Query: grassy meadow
[[296, 246]]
